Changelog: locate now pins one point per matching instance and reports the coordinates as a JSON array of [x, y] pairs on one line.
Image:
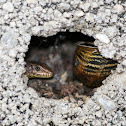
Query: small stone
[[38, 9], [26, 37], [11, 118], [4, 106], [55, 1], [1, 20], [36, 29], [124, 63], [51, 24], [64, 6], [85, 6], [118, 8], [12, 53], [50, 11], [111, 31], [114, 18], [99, 114], [97, 108], [8, 7], [12, 24], [79, 13], [2, 1], [102, 38], [89, 17], [6, 37], [6, 16], [108, 1], [31, 1], [94, 4], [106, 104], [97, 122], [21, 49], [57, 13], [26, 98], [66, 15], [108, 12], [1, 51], [9, 39]]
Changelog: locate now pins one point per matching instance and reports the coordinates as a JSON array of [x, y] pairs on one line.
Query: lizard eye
[[37, 68]]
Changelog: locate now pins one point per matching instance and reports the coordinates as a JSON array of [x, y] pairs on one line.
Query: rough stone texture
[[19, 20]]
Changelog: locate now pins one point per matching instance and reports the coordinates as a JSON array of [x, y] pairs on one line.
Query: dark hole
[[57, 52]]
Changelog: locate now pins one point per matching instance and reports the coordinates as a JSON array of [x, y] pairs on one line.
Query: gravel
[[104, 20]]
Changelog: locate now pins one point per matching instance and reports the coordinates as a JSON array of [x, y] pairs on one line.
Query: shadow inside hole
[[57, 52]]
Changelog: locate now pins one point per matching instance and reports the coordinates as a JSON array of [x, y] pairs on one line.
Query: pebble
[[51, 25], [12, 53], [111, 31], [55, 1], [89, 17], [57, 13], [64, 6], [8, 7], [124, 62], [99, 114], [21, 49], [114, 18], [31, 1], [79, 13], [118, 8], [66, 14], [102, 38], [2, 1], [38, 9], [6, 37], [11, 118], [94, 4], [108, 12], [108, 1], [12, 24], [6, 16], [85, 6], [106, 104], [36, 29], [4, 106], [26, 37]]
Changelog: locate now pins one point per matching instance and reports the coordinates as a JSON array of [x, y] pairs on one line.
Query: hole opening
[[57, 52]]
